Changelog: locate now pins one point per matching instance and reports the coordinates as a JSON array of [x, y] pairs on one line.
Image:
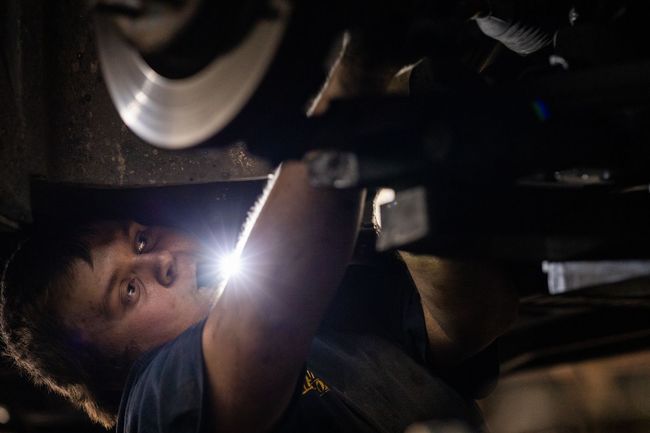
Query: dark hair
[[36, 338]]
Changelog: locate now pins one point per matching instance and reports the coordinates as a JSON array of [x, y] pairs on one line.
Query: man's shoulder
[[164, 390]]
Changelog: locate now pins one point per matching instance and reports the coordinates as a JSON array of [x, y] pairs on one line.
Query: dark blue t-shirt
[[366, 371]]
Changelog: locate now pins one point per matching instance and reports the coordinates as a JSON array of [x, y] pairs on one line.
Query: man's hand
[[257, 336]]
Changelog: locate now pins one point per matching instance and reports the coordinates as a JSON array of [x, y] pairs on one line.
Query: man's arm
[[257, 336], [467, 304]]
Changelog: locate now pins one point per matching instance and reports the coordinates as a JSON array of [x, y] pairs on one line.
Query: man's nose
[[165, 268]]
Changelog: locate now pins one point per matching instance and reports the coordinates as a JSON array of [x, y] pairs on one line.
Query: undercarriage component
[[180, 112]]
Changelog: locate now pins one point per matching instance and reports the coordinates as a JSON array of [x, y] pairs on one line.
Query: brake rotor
[[176, 113]]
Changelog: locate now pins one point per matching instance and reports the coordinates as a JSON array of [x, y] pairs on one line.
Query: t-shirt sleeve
[[165, 390]]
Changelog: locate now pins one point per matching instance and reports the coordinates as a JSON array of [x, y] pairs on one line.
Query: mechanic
[[111, 317], [118, 290]]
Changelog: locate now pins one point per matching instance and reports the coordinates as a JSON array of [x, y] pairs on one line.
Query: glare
[[384, 196], [230, 265]]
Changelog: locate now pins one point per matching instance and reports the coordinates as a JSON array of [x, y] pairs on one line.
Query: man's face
[[141, 289]]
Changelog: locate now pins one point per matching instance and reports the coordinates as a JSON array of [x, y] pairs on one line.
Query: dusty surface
[[57, 120]]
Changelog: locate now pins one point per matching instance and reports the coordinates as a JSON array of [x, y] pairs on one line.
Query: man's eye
[[141, 242], [131, 293]]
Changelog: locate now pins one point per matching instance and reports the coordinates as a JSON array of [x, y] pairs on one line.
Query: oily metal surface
[[180, 113]]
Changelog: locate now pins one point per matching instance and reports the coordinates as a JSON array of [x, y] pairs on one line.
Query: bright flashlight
[[229, 265]]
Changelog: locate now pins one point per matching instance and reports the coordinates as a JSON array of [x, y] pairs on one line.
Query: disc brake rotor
[[183, 112]]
